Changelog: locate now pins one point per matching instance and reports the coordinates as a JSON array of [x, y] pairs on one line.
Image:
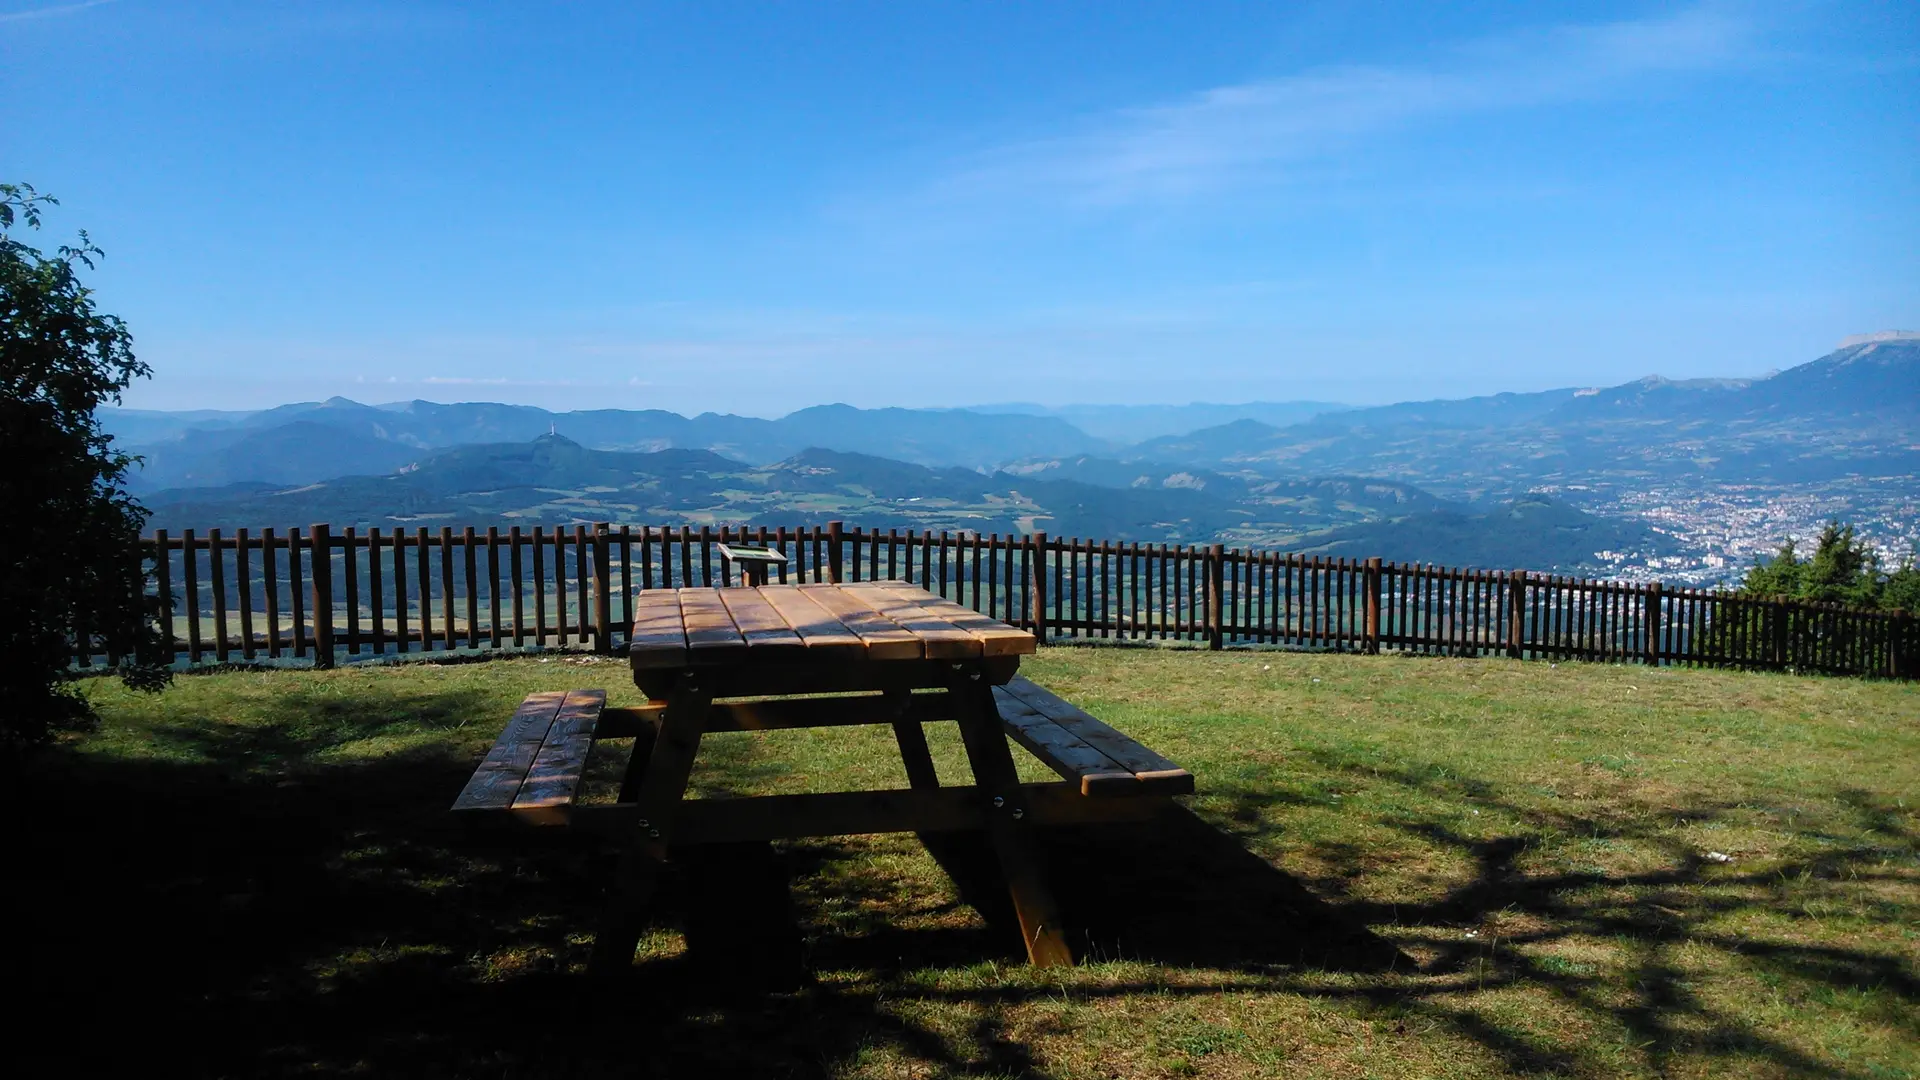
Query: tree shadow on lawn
[[229, 917], [1657, 913]]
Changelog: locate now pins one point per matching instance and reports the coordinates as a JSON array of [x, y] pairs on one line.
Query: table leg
[[1011, 837], [913, 747], [643, 741], [662, 786], [967, 857]]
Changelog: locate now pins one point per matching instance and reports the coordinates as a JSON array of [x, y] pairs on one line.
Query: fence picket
[[400, 635], [376, 608], [1078, 587]]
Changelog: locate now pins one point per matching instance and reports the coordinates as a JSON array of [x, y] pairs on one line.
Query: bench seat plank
[[1063, 751], [554, 779], [1154, 772], [496, 783]]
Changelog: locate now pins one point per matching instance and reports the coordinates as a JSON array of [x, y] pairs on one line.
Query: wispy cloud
[[1260, 128], [51, 12], [474, 380]]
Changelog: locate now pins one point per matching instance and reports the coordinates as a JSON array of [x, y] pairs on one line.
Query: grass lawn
[[1396, 867]]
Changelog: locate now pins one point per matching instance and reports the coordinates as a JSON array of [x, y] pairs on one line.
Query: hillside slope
[[1531, 532]]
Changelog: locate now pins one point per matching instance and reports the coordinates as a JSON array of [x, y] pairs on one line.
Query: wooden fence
[[321, 595]]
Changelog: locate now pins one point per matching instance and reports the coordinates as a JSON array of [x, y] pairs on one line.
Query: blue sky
[[757, 207]]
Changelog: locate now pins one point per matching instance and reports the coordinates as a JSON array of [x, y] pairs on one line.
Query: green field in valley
[[1395, 867]]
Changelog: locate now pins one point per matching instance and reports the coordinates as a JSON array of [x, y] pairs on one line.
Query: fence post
[[320, 560], [602, 589], [1372, 582], [1902, 629], [1516, 613], [1780, 649], [834, 529], [1216, 568], [1650, 647], [1037, 576], [163, 581]]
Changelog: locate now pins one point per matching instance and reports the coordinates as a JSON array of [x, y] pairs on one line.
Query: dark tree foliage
[[69, 548], [1841, 570], [1902, 589]]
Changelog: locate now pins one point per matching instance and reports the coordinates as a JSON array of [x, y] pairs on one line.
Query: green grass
[[1396, 867]]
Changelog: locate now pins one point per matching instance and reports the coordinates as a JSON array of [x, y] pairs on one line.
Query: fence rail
[[324, 595]]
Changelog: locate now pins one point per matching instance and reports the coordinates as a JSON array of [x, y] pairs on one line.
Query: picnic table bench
[[718, 660]]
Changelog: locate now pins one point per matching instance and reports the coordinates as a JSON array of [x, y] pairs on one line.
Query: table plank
[[766, 632], [658, 638], [886, 639], [889, 620], [711, 633], [825, 636], [895, 600], [996, 638]]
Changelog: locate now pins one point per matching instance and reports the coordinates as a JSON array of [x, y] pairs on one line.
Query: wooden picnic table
[[860, 653]]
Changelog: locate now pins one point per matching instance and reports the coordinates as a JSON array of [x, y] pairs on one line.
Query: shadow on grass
[[250, 909], [1173, 891], [1657, 913]]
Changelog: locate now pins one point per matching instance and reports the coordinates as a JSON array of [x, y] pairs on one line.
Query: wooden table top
[[787, 624]]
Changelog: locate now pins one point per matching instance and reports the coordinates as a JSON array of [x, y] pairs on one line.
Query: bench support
[[661, 787], [924, 810]]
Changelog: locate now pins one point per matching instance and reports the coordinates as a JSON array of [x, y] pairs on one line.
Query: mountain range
[[1127, 424], [1571, 479], [553, 479], [1853, 413], [311, 441]]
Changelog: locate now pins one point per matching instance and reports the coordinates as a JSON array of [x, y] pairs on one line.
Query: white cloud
[[475, 380], [1231, 134], [50, 12]]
